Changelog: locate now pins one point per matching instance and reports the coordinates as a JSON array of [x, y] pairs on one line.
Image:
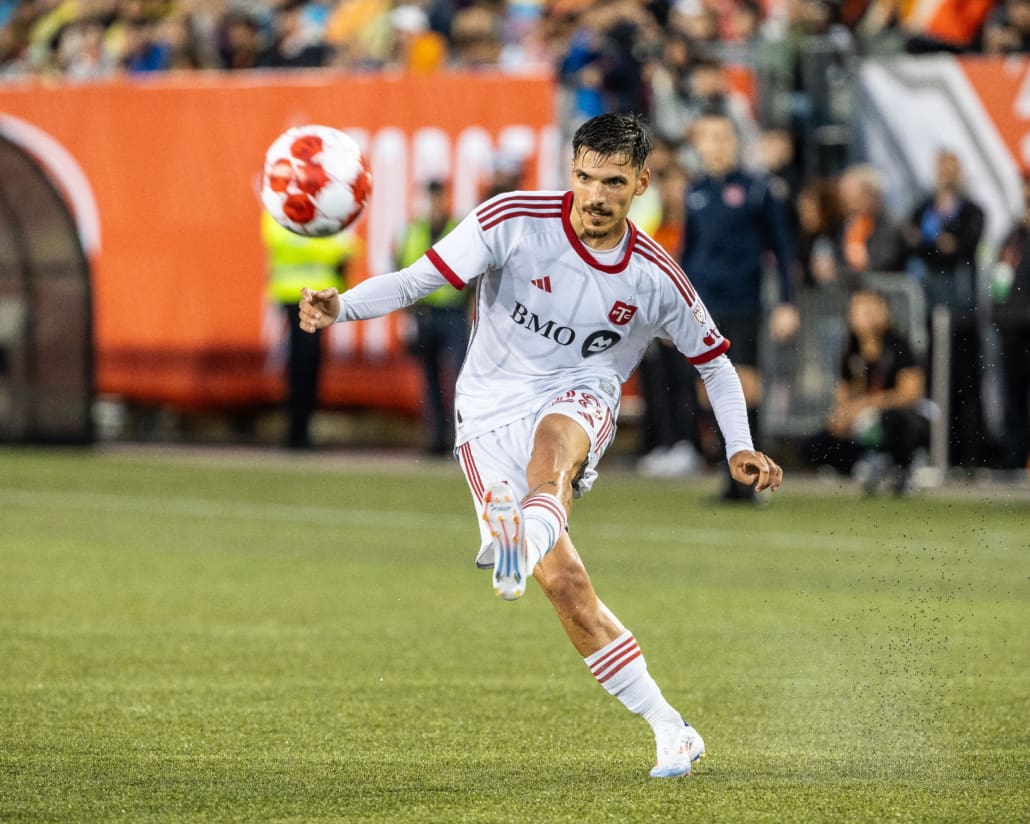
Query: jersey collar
[[581, 248]]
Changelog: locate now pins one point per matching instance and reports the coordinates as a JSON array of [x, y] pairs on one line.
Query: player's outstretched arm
[[318, 309], [372, 298], [756, 469]]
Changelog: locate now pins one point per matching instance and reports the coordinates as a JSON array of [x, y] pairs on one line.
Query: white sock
[[620, 668], [545, 520]]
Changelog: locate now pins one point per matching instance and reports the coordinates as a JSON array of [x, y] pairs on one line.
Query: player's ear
[[643, 181]]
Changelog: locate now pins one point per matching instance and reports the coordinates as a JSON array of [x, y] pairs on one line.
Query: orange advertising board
[[163, 175]]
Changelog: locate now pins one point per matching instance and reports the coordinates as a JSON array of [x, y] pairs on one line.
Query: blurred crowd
[[608, 50]]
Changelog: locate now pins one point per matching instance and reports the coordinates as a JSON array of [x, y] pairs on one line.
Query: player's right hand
[[318, 309], [756, 469]]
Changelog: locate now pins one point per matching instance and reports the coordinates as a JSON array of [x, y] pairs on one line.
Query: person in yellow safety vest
[[441, 322], [295, 261]]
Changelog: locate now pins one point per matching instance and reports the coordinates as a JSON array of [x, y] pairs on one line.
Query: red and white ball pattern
[[316, 181]]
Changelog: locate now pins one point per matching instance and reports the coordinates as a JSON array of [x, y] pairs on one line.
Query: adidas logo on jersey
[[543, 283]]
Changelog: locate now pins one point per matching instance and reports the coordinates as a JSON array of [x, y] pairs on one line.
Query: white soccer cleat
[[503, 514], [677, 755]]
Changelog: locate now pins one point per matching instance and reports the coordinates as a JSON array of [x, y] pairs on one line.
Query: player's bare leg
[[560, 450], [562, 577]]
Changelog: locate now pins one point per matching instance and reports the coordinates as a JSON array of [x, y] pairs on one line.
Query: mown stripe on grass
[[187, 507]]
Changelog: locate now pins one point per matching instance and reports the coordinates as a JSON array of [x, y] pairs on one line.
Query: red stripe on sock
[[622, 663], [606, 673], [548, 504], [603, 662]]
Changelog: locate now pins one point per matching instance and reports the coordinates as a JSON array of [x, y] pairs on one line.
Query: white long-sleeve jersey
[[551, 313]]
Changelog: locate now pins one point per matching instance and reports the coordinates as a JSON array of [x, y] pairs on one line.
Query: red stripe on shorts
[[468, 464]]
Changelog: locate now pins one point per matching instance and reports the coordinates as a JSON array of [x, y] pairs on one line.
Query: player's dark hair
[[614, 134]]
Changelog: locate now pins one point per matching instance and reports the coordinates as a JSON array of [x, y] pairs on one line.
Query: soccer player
[[569, 293]]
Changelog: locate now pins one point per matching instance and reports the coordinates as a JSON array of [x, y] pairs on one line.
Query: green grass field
[[231, 637]]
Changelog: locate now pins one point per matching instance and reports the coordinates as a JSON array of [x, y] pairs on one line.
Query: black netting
[[46, 331]]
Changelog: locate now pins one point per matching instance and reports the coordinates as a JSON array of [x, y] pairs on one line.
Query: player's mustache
[[597, 210]]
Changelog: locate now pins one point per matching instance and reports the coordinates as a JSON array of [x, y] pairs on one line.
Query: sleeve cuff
[[711, 354]]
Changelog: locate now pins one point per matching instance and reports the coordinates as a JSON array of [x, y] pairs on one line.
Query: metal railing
[[800, 375]]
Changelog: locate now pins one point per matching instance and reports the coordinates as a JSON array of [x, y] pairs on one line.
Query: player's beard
[[591, 232]]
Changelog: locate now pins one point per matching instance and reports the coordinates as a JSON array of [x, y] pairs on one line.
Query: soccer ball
[[316, 181]]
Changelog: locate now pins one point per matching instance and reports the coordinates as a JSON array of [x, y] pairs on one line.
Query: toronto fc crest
[[621, 313]]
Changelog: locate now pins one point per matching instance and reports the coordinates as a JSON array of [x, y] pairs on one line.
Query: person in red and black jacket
[[734, 220]]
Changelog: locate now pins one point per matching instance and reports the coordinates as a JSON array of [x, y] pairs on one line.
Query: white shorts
[[503, 454]]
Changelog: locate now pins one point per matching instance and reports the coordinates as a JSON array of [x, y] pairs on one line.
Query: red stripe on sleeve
[[711, 354], [516, 201], [489, 224], [445, 270]]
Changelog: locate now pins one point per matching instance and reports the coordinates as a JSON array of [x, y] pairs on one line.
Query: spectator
[[670, 443], [696, 21], [296, 45], [177, 34], [476, 37], [744, 22], [295, 261], [870, 241], [141, 52], [818, 216], [1010, 291], [359, 30], [733, 220], [776, 158], [441, 322], [671, 115], [1007, 30], [507, 170], [526, 47], [710, 93], [416, 48], [604, 64], [942, 234], [669, 180], [942, 25], [878, 399], [241, 42], [80, 52]]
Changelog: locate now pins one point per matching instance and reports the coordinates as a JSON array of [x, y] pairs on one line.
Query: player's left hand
[[756, 469], [784, 322]]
